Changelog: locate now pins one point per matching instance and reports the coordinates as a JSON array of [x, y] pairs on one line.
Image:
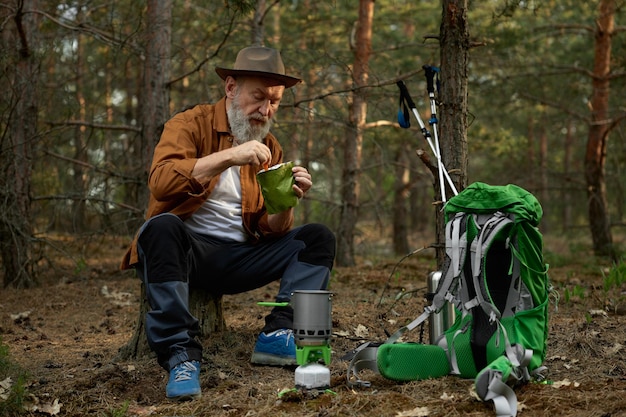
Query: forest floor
[[66, 335]]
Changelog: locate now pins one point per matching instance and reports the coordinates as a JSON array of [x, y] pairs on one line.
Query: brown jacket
[[187, 136]]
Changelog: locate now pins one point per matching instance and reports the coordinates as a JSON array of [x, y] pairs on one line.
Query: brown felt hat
[[259, 61]]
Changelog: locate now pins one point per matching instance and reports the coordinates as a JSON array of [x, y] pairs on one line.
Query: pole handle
[[429, 72], [404, 92]]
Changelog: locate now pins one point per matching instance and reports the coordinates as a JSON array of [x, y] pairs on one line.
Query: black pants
[[173, 260]]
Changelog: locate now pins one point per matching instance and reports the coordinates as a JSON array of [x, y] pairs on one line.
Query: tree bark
[[401, 192], [16, 229], [454, 44], [80, 173], [155, 91], [595, 155], [354, 136], [567, 169], [543, 171], [257, 24]]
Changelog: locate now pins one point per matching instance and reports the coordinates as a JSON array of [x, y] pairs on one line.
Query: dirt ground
[[67, 334]]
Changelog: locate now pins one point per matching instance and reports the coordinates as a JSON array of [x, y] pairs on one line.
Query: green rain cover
[[528, 328]]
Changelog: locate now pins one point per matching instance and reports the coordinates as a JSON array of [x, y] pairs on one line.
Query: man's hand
[[251, 153], [303, 181]]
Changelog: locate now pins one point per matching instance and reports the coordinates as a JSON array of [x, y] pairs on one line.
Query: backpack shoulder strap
[[490, 229], [456, 250], [496, 381]]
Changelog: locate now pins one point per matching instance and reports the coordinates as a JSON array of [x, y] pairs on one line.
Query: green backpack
[[495, 277]]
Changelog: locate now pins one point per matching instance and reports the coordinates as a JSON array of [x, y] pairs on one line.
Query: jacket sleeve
[[174, 158]]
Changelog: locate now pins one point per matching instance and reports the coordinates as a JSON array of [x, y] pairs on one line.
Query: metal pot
[[312, 320]]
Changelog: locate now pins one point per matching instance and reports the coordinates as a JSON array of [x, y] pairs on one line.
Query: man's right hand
[[249, 153]]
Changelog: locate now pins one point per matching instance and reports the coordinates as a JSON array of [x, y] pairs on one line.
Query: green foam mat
[[412, 361]]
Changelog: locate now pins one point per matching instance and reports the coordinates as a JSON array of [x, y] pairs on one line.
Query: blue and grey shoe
[[184, 382], [277, 348]]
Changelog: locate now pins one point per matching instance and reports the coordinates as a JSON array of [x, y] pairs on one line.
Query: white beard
[[240, 125]]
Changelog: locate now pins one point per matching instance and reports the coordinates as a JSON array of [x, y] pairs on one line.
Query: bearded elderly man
[[207, 225]]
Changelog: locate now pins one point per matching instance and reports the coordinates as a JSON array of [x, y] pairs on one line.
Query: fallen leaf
[[117, 297], [20, 316], [615, 349], [53, 409], [361, 331], [565, 383], [140, 411], [446, 396], [5, 388], [595, 313], [416, 412]]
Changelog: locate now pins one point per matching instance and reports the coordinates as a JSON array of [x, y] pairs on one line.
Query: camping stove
[[312, 329]]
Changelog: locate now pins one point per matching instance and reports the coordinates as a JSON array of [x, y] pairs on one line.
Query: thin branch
[[268, 8], [88, 165], [555, 105], [357, 88], [86, 198], [615, 121], [198, 67], [95, 125], [568, 27], [105, 37], [380, 123], [398, 47]]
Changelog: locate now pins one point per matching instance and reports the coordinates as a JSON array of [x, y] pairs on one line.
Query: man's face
[[253, 104]]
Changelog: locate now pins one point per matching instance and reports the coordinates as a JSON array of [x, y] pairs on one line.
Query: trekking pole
[[429, 73], [406, 97]]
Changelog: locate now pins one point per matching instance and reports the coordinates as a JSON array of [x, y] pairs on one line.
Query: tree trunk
[[531, 163], [206, 307], [155, 90], [543, 172], [16, 230], [595, 155], [454, 44], [402, 190], [257, 24], [567, 170], [79, 175], [354, 137]]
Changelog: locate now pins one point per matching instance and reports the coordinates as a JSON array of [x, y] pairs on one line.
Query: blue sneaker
[[184, 382], [277, 348]]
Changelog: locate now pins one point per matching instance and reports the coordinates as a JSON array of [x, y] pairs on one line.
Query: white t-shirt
[[220, 215]]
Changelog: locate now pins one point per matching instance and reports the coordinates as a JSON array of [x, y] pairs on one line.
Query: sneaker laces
[[289, 334], [183, 371], [280, 332]]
